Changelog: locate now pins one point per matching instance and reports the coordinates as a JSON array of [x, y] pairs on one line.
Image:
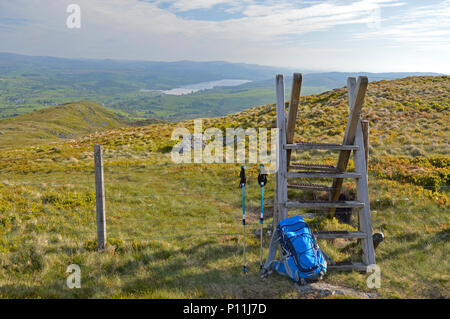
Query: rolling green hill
[[175, 230], [407, 116], [54, 123]]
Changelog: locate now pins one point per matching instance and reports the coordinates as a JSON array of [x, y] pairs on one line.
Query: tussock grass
[[176, 233], [175, 230]]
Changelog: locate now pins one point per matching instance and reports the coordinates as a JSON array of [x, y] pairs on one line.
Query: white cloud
[[186, 5], [260, 22], [256, 16], [267, 32], [427, 25]]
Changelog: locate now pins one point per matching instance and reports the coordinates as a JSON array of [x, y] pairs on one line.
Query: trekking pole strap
[[327, 258]]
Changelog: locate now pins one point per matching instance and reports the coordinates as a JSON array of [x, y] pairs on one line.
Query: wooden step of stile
[[320, 146], [323, 204], [308, 174], [339, 234], [312, 187], [315, 167], [348, 266]]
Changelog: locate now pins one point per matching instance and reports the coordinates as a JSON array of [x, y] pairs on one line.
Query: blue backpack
[[301, 259]]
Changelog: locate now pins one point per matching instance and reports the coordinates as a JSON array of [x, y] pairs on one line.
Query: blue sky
[[359, 35]]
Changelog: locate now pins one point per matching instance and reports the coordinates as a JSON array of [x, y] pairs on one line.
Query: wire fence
[[59, 207], [131, 202]]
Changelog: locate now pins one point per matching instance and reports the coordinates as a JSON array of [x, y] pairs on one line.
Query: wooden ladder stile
[[292, 112], [355, 139]]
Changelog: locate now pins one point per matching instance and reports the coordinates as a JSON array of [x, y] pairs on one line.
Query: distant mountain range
[[147, 74], [28, 83], [332, 80]]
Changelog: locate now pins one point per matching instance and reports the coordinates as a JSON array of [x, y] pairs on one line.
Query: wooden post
[[275, 201], [365, 132], [356, 94], [281, 178], [292, 112], [362, 195], [100, 197]]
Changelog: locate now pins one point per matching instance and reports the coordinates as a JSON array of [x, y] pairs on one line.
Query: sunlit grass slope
[[54, 123], [175, 229]]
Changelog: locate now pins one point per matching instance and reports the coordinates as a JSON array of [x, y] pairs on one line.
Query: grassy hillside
[[408, 117], [174, 230], [65, 121]]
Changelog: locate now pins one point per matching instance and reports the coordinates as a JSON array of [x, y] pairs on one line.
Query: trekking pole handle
[[262, 181], [262, 176], [243, 179]]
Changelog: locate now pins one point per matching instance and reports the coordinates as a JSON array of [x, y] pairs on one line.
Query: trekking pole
[[242, 185], [262, 181]]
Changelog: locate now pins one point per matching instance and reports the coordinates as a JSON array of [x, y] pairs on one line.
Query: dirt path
[[322, 289]]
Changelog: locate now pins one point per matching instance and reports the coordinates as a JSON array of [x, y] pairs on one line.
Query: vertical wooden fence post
[[292, 112], [100, 197], [362, 195], [281, 178], [365, 129], [365, 132]]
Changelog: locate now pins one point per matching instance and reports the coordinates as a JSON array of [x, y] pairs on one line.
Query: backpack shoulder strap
[[327, 258]]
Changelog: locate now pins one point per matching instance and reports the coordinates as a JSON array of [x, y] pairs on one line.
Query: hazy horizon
[[306, 71]]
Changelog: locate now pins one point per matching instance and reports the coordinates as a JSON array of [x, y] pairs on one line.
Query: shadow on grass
[[196, 272], [49, 291], [155, 270]]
